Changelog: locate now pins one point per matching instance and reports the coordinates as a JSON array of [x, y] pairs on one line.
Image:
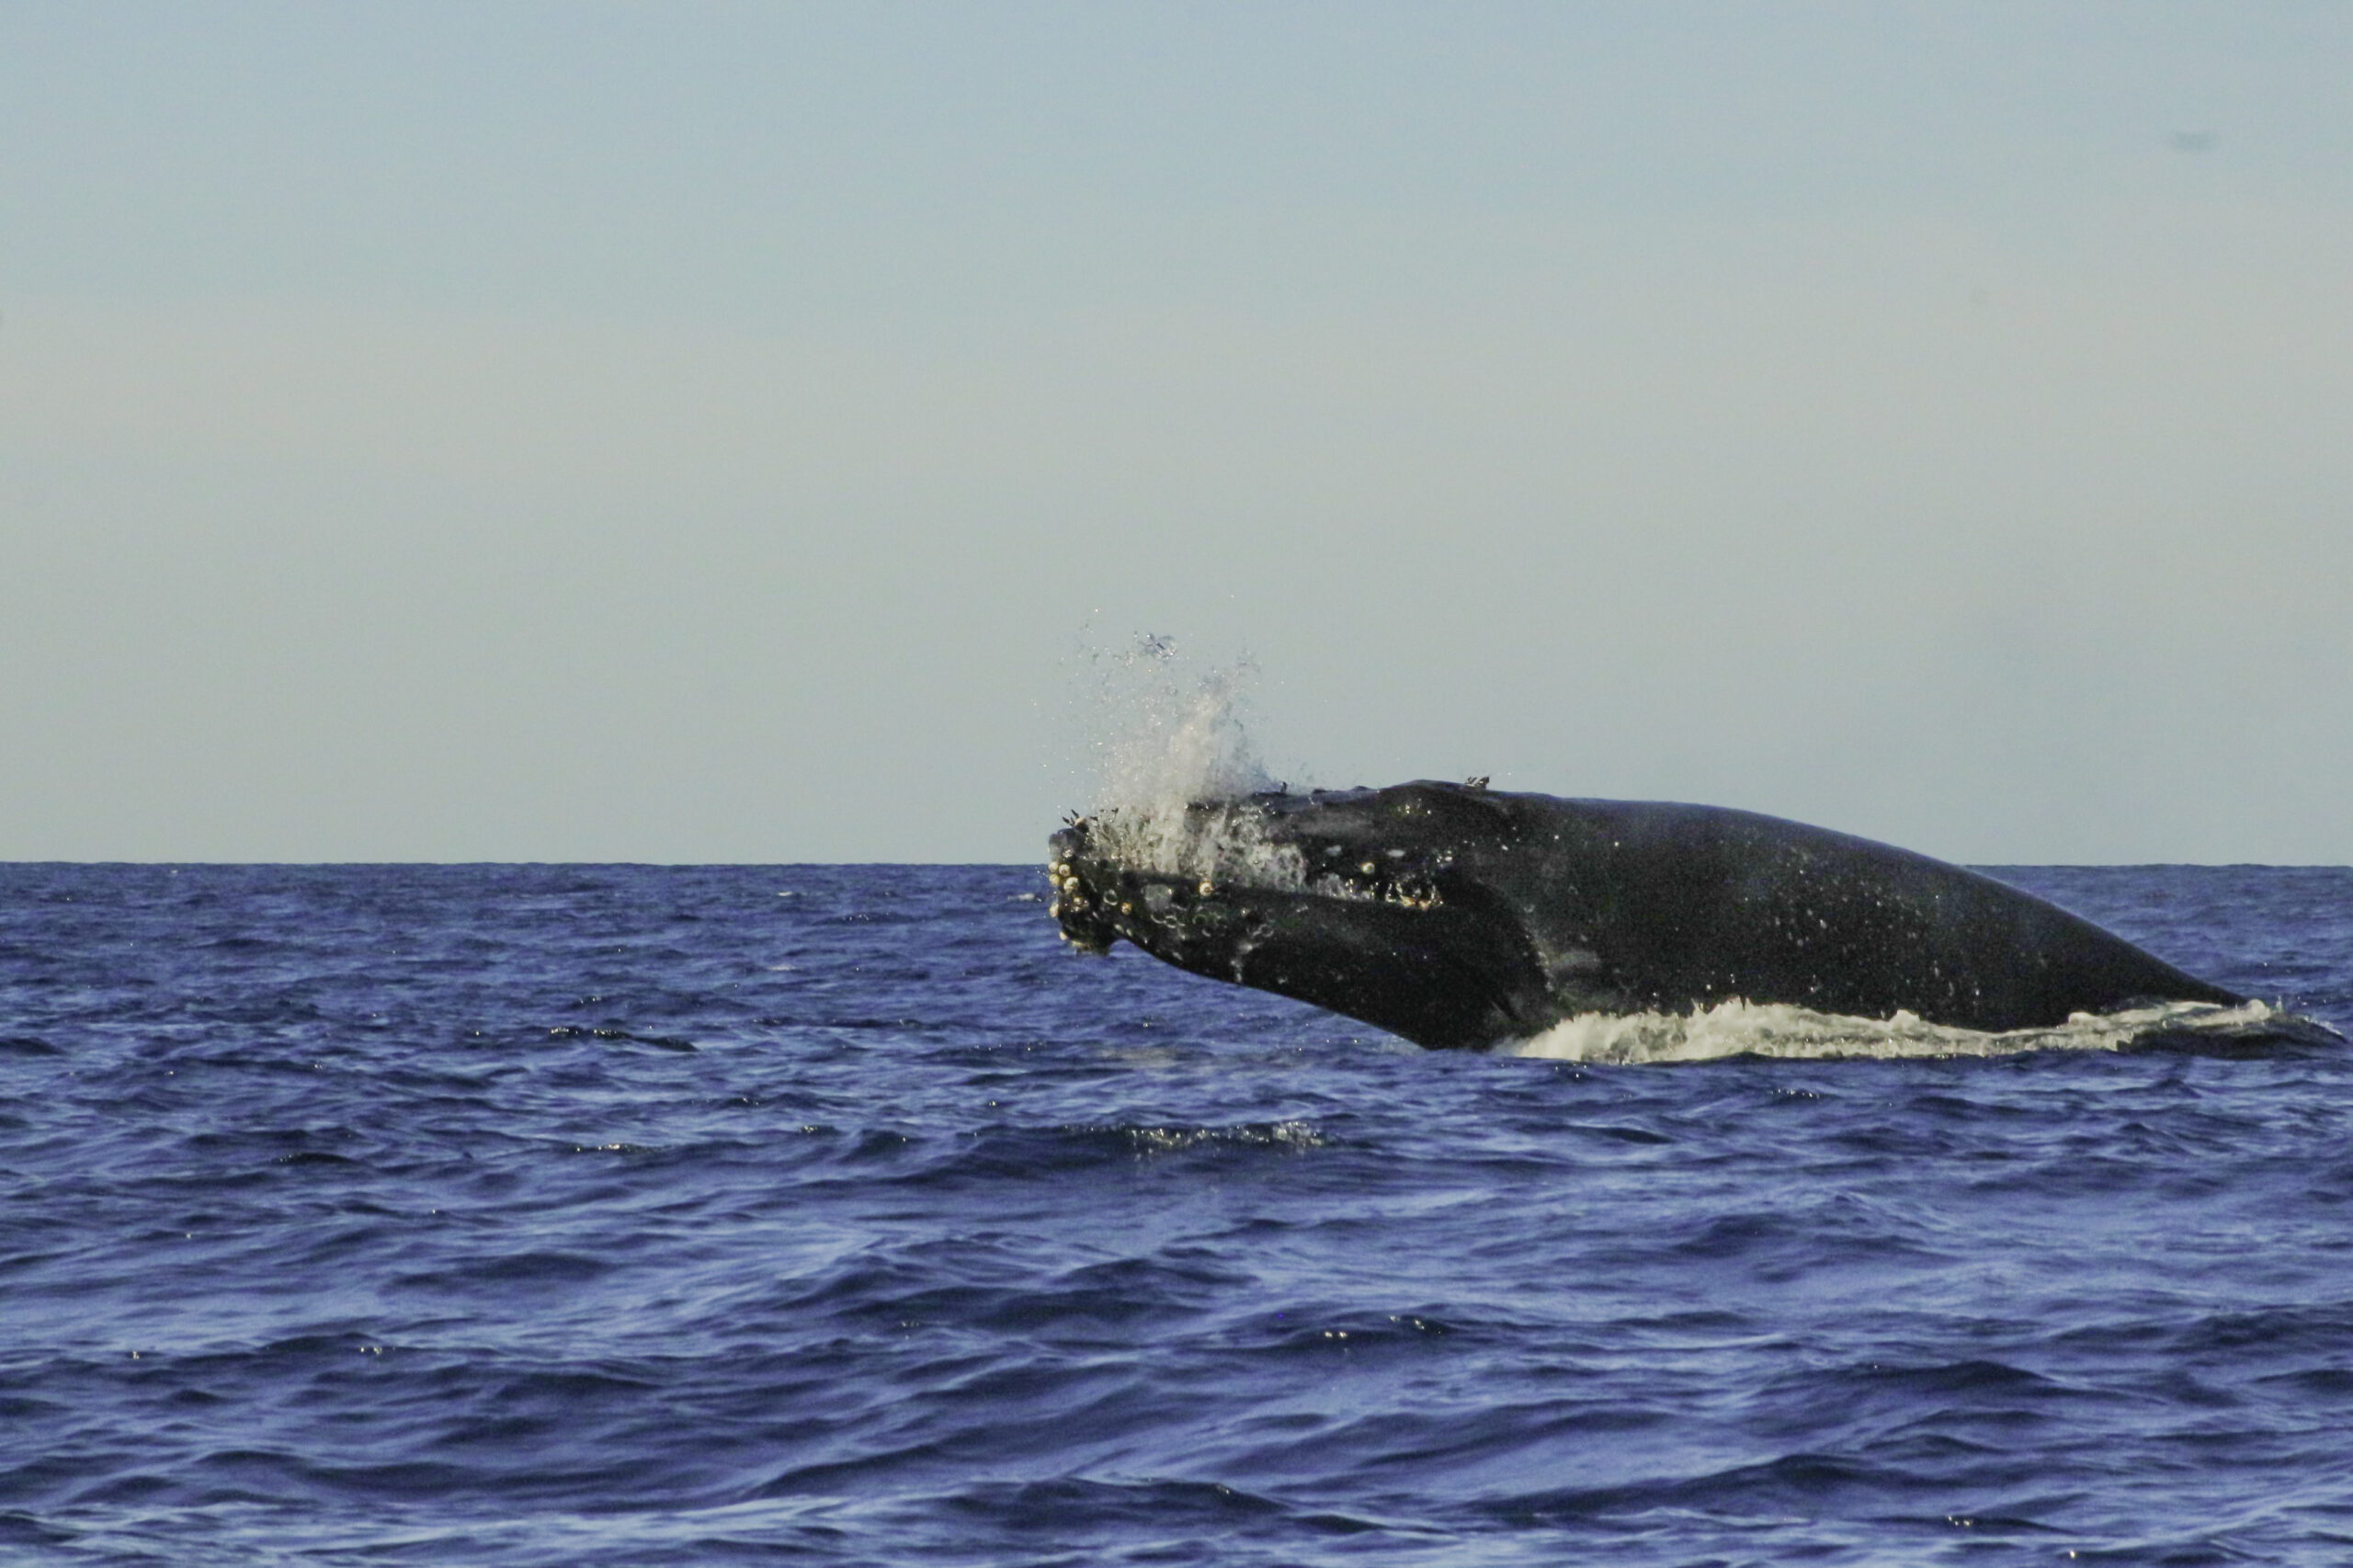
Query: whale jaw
[[1278, 893]]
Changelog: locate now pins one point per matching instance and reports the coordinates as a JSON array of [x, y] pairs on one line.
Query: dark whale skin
[[1456, 915]]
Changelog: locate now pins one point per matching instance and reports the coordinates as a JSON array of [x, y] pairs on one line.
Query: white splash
[[1737, 1028], [1166, 733], [1165, 737]]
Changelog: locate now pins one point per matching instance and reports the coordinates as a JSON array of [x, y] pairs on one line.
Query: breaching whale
[[1456, 915]]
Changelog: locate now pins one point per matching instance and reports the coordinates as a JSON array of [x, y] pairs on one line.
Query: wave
[[1777, 1030]]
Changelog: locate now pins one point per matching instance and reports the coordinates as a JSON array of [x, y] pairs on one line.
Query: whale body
[[1455, 915]]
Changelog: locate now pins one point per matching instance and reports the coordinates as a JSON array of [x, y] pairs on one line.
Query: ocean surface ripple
[[610, 1214]]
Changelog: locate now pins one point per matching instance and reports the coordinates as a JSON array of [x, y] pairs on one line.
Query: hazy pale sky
[[711, 432]]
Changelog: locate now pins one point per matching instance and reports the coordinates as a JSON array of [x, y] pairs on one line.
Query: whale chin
[[1455, 915]]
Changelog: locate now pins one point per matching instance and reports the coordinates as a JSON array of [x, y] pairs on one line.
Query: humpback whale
[[1455, 915]]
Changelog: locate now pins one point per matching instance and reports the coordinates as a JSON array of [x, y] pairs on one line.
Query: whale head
[[1372, 903]]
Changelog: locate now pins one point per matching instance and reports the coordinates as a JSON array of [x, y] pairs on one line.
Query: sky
[[704, 432]]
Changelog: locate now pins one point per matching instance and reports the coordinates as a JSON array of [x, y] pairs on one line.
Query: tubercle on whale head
[[1414, 843]]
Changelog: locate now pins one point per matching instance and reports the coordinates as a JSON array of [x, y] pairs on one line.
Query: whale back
[[1641, 905]]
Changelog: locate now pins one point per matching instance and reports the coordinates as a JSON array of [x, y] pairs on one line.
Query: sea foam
[[1737, 1028]]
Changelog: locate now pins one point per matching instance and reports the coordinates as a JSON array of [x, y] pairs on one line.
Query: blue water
[[836, 1214]]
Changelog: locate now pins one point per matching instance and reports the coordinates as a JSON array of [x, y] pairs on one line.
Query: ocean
[[836, 1214]]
